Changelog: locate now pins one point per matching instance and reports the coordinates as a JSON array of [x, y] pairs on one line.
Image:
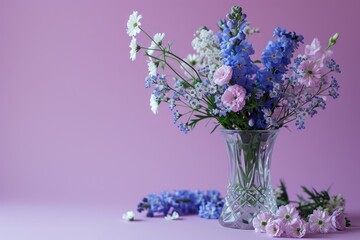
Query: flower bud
[[332, 40], [236, 9]]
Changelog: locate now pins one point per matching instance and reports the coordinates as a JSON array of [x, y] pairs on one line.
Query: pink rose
[[338, 221], [223, 75], [234, 98]]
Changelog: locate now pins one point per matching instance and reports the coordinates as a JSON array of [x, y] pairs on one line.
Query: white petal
[[170, 217], [154, 104], [129, 216]]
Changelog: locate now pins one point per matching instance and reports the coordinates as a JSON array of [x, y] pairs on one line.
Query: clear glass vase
[[249, 191]]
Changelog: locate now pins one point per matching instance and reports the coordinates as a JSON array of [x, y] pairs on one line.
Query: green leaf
[[216, 126], [308, 192]]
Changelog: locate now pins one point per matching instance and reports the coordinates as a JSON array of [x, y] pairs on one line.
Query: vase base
[[241, 206], [236, 225]]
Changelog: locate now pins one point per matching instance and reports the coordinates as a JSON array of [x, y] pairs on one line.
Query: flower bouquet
[[250, 99]]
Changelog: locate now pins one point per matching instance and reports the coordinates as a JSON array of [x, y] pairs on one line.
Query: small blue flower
[[334, 88], [331, 64], [213, 196], [151, 79], [183, 128], [176, 116], [210, 210]]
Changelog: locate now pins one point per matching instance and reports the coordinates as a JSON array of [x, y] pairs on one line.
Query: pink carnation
[[223, 75], [297, 229], [234, 98], [260, 221], [288, 214], [338, 220], [274, 228], [319, 221]]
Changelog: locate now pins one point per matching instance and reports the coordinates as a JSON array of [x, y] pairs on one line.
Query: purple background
[[75, 121]]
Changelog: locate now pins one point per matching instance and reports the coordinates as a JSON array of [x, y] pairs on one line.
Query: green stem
[[183, 67], [185, 63], [151, 38]]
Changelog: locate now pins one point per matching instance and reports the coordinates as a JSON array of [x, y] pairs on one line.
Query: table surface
[[59, 222]]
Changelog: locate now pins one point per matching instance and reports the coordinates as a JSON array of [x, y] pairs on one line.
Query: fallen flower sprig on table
[[288, 223], [314, 200], [318, 213], [206, 204]]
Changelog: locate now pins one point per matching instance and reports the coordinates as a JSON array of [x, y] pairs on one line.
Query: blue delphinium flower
[[210, 210], [184, 202], [182, 199], [197, 197], [143, 205], [277, 55], [235, 50], [157, 205], [213, 196], [211, 205], [168, 201], [276, 58]]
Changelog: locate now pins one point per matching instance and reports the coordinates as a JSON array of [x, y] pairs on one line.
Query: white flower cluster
[[206, 46], [336, 202]]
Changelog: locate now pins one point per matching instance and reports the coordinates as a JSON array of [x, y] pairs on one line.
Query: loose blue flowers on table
[[251, 100], [206, 204]]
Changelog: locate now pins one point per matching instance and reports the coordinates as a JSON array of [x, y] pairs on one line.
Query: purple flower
[[223, 75], [319, 221], [260, 221], [338, 221], [313, 50], [297, 229], [234, 98], [288, 214], [311, 74], [274, 228]]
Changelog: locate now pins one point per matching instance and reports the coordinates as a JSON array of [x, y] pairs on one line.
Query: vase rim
[[249, 131]]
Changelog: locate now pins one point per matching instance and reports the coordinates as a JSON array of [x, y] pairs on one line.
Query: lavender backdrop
[[75, 122]]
